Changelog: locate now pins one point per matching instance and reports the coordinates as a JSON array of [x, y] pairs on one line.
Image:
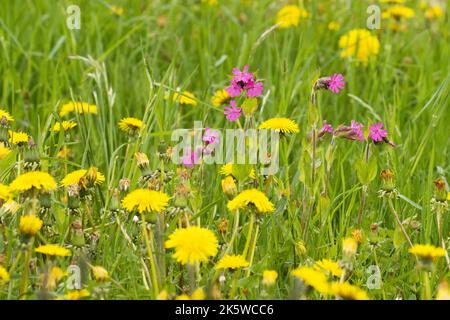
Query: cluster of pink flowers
[[355, 132], [191, 157], [243, 83]]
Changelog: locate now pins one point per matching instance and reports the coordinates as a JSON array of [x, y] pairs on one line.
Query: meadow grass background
[[138, 56]]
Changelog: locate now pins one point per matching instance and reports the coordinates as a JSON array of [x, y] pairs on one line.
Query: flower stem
[[426, 286], [394, 212], [249, 234], [154, 275], [233, 235], [253, 248], [26, 270]]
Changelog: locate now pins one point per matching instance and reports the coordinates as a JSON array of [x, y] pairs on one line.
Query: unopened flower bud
[[441, 193], [229, 187], [388, 180]]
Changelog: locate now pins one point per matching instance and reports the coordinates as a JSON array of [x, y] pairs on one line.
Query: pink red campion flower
[[336, 83], [356, 128], [244, 81], [326, 127], [190, 157], [232, 112], [377, 133], [211, 136]]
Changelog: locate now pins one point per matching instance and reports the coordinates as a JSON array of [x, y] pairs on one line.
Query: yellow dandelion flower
[[33, 180], [443, 291], [349, 246], [18, 138], [4, 276], [76, 177], [78, 107], [53, 250], [346, 291], [359, 44], [397, 13], [334, 26], [434, 12], [145, 200], [185, 98], [77, 294], [66, 125], [100, 273], [282, 125], [4, 113], [251, 198], [64, 153], [220, 98], [192, 244], [4, 151], [227, 170], [198, 294], [210, 2], [117, 10], [448, 196], [53, 277], [290, 15], [183, 296], [313, 278], [232, 262], [427, 251], [393, 1], [269, 277], [329, 267], [357, 235], [4, 191], [130, 125], [30, 224]]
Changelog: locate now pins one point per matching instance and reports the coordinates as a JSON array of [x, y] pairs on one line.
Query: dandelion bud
[[222, 227], [143, 163], [162, 150], [31, 156], [388, 180], [124, 184], [182, 192], [441, 193], [229, 187], [4, 126], [300, 248], [73, 191], [357, 235], [115, 201], [77, 234], [142, 160]]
